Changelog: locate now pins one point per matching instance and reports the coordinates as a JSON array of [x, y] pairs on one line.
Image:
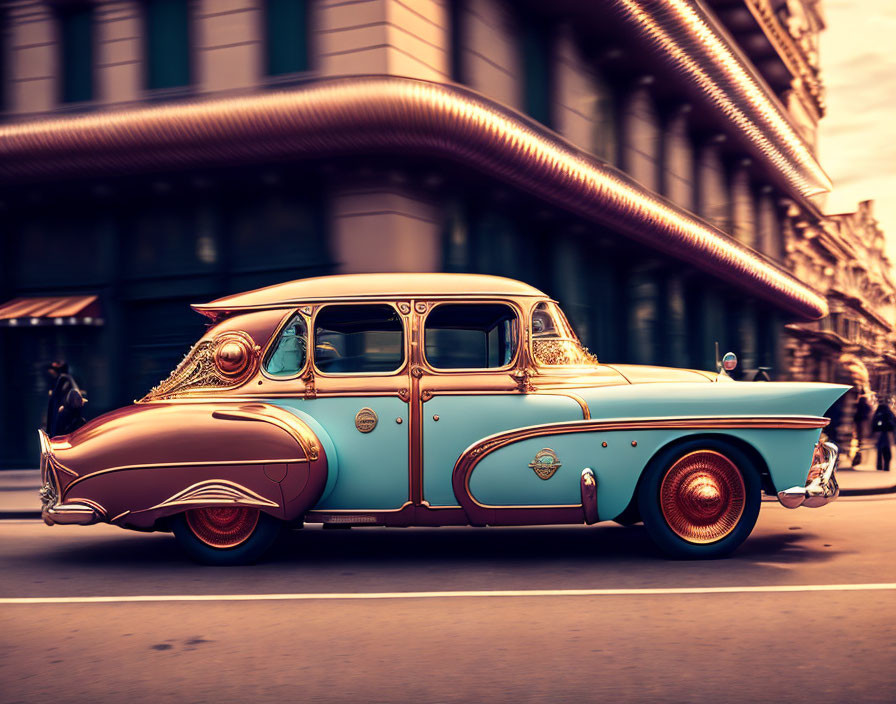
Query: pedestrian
[[883, 423], [66, 400], [860, 417]]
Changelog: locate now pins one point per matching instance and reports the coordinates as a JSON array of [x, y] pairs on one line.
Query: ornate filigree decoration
[[558, 352], [201, 367]]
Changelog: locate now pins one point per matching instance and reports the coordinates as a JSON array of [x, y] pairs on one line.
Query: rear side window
[[471, 336], [358, 339], [287, 355]]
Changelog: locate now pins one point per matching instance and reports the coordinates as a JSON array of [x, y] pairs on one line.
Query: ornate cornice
[[697, 49], [374, 114]]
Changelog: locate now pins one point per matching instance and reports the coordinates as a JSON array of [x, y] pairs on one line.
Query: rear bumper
[[52, 511], [821, 484]]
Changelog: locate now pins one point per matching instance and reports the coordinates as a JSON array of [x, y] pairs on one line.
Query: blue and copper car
[[432, 400]]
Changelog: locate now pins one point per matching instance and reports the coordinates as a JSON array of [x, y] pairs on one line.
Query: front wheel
[[232, 535], [700, 499]]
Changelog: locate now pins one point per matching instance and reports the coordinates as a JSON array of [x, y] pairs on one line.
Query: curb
[[9, 515]]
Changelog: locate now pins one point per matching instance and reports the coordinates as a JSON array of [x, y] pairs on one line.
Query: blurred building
[[643, 162], [844, 256]]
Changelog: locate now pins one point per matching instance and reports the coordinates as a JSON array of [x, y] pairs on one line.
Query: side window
[[471, 336], [287, 355], [553, 341], [358, 339]]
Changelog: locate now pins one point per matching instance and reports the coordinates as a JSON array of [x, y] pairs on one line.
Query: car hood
[[644, 374]]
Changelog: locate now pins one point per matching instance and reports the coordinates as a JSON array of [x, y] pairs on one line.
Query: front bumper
[[821, 484]]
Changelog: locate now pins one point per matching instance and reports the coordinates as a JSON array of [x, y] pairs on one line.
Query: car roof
[[360, 286]]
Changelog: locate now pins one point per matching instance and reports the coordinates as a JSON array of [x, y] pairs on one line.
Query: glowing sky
[[857, 144]]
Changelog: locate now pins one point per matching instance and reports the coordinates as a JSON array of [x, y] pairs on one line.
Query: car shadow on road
[[451, 548]]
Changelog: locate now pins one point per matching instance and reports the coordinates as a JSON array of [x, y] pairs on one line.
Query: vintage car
[[432, 400]]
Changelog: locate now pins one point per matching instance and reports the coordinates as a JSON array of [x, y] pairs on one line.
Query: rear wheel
[[700, 500], [231, 535]]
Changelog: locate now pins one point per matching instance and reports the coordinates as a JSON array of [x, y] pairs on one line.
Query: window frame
[[535, 361], [405, 346], [512, 305], [275, 337]]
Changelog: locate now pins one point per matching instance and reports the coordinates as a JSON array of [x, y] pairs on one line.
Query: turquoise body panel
[[370, 471], [732, 398], [464, 420], [504, 478], [372, 467]]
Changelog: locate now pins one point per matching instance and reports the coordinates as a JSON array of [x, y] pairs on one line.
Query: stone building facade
[[642, 162], [844, 256]]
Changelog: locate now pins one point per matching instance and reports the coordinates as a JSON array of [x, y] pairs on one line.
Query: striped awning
[[51, 310]]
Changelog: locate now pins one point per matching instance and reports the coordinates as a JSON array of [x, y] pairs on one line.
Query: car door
[[469, 389], [361, 386]]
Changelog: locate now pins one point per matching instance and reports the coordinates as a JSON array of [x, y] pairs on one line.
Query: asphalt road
[[752, 643]]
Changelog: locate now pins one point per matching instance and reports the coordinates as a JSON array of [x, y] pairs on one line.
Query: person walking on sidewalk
[[860, 417], [883, 423]]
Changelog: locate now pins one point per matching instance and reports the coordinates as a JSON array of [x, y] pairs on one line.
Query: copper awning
[[51, 310]]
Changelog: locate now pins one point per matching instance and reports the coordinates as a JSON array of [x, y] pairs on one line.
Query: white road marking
[[126, 599]]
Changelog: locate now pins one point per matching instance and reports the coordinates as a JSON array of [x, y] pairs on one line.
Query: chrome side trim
[[821, 483]]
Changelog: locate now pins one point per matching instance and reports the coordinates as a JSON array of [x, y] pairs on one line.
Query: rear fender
[[149, 461]]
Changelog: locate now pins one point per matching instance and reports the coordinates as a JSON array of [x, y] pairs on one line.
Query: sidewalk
[[19, 487]]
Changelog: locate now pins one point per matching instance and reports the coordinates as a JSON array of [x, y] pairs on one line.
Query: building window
[[167, 44], [536, 50], [287, 36], [76, 52]]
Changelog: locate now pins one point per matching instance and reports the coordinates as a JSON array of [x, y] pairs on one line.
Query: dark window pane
[[287, 356], [468, 336], [287, 35], [167, 43], [537, 71], [358, 339], [76, 41]]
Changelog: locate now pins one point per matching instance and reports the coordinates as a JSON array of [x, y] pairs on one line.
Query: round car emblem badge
[[545, 463], [365, 420]]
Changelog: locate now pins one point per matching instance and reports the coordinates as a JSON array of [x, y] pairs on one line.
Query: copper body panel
[[147, 461]]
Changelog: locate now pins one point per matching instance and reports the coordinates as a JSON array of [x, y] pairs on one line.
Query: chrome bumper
[[52, 511], [821, 484]]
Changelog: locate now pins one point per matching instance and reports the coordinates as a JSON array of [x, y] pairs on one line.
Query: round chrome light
[[729, 361], [232, 356]]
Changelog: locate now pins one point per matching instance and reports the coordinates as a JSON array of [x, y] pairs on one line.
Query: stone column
[[119, 56], [743, 204], [678, 159], [376, 229], [712, 190], [641, 155], [229, 44], [382, 36], [33, 64]]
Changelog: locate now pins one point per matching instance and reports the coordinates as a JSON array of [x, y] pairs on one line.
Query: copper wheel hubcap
[[223, 527], [702, 496]]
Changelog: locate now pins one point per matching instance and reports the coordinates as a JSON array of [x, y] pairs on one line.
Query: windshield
[[553, 341]]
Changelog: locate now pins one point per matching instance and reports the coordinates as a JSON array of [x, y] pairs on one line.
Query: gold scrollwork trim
[[199, 371], [216, 491]]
